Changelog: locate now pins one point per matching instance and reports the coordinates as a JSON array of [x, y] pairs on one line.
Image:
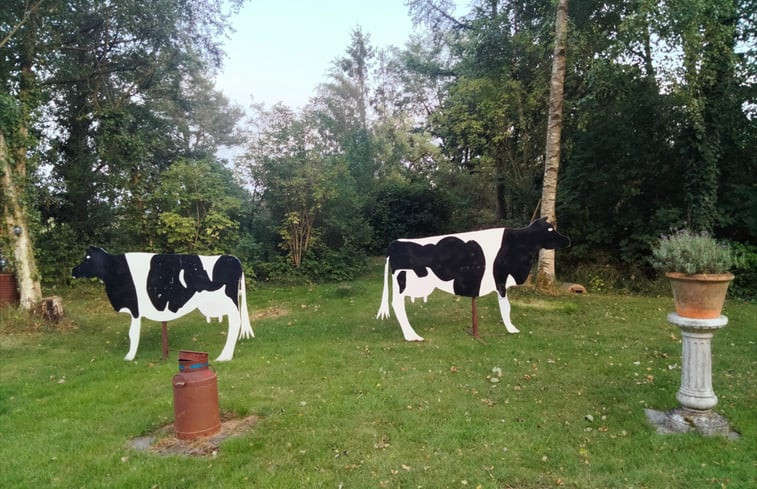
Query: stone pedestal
[[695, 394], [696, 364]]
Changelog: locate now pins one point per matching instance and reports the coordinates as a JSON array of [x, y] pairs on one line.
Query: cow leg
[[235, 324], [398, 304], [504, 310], [134, 329]]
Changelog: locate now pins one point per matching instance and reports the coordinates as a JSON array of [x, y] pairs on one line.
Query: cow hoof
[[129, 358], [513, 330], [414, 338], [222, 358]]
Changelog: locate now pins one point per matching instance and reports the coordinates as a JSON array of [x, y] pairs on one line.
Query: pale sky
[[282, 49]]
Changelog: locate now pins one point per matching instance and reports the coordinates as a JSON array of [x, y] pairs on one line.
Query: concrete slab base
[[682, 420]]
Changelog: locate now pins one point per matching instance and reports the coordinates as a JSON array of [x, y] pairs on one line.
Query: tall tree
[[343, 106], [707, 32], [17, 102], [72, 71], [116, 64], [493, 59], [546, 267]]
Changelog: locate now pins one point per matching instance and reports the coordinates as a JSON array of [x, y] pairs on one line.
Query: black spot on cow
[[450, 259], [402, 281], [174, 279], [228, 271], [520, 247], [113, 270]]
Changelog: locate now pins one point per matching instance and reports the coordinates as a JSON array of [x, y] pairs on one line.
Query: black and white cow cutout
[[164, 287], [469, 264]]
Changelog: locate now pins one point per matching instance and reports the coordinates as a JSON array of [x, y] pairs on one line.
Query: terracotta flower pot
[[699, 296]]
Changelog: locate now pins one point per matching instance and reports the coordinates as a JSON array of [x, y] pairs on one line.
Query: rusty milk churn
[[8, 290], [195, 397]]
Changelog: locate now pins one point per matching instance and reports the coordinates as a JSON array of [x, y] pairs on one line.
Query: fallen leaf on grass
[[382, 443]]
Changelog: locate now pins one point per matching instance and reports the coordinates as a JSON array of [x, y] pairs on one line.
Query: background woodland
[[112, 134]]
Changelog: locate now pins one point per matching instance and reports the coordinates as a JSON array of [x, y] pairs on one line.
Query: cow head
[[546, 236], [93, 265]]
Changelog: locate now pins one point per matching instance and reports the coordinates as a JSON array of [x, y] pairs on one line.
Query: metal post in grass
[[696, 395], [164, 334]]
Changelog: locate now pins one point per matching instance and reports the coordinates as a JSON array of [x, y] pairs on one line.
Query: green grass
[[346, 402]]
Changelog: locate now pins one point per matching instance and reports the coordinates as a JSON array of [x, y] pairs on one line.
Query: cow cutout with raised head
[[469, 264], [164, 287]]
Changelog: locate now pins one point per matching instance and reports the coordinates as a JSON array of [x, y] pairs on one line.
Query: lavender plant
[[691, 252]]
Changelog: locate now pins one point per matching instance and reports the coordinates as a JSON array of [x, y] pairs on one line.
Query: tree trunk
[[13, 177], [545, 277], [14, 217]]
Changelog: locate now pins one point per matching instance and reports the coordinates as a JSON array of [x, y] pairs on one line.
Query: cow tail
[[246, 330], [383, 311]]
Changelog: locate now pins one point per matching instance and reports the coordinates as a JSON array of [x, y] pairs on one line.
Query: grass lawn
[[345, 402]]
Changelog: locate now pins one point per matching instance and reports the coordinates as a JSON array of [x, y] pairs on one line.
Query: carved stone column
[[695, 395], [696, 364]]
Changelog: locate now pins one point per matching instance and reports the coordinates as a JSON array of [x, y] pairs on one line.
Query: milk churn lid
[[190, 361]]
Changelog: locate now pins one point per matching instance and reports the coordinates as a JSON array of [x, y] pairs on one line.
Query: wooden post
[[164, 324]]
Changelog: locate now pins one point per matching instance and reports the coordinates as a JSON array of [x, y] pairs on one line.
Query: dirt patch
[[163, 441], [269, 313]]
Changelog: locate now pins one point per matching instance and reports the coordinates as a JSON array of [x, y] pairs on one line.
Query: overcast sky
[[282, 49]]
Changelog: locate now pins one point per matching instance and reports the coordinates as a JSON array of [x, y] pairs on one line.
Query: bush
[[407, 210], [324, 264], [744, 286], [57, 251], [603, 275]]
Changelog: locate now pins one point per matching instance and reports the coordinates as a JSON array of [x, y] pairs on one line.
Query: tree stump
[[50, 308]]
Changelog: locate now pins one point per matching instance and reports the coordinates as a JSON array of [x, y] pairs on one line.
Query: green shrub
[[57, 252], [745, 284], [407, 210]]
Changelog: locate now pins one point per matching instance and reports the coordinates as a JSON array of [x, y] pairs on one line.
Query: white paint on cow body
[[208, 262], [416, 286], [510, 282], [462, 258], [210, 303], [490, 241], [504, 306]]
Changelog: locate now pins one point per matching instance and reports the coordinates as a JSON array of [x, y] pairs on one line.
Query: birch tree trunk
[[545, 277], [14, 217]]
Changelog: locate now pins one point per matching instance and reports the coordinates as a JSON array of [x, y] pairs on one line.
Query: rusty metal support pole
[[164, 325], [475, 317]]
